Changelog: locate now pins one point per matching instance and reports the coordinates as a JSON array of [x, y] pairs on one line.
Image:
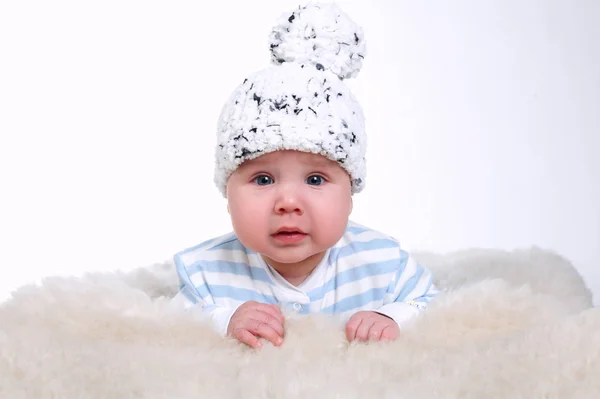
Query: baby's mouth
[[289, 236], [289, 230]]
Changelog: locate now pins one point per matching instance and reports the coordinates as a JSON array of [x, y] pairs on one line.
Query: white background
[[483, 120]]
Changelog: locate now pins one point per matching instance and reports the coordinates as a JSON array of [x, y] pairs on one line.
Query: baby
[[290, 155]]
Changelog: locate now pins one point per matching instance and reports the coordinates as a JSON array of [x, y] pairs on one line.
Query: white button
[[297, 306]]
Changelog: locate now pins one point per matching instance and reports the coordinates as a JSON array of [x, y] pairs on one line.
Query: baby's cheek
[[248, 219], [329, 229]]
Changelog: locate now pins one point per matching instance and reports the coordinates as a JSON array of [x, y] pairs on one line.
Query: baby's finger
[[362, 333], [352, 326], [376, 330], [272, 310], [267, 318], [246, 337], [265, 331], [390, 333]]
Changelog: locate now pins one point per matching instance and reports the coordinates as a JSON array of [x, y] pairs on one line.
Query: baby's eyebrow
[[315, 163], [319, 164], [258, 165]]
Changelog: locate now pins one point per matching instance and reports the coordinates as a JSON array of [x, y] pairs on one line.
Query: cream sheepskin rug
[[508, 325]]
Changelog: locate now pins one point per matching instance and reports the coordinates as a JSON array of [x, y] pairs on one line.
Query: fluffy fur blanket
[[508, 325]]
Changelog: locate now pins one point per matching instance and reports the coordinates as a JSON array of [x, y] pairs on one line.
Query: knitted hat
[[300, 103]]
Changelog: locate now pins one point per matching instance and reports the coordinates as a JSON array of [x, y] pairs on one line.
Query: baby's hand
[[364, 326], [253, 320]]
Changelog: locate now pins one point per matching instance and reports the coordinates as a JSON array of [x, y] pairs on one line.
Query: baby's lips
[[290, 230]]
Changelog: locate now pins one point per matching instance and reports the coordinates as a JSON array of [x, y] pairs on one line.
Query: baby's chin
[[286, 258], [290, 256]]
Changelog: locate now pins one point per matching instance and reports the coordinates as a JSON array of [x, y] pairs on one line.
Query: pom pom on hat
[[301, 103], [320, 34]]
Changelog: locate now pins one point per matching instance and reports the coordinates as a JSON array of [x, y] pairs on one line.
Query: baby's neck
[[296, 273]]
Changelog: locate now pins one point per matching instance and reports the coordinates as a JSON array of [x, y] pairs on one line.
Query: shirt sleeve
[[409, 292], [196, 295]]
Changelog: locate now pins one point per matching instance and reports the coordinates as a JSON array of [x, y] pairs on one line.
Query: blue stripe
[[233, 244], [237, 268], [403, 262], [352, 275], [404, 256], [356, 301], [430, 294], [410, 284], [188, 294], [226, 238], [202, 290], [356, 229], [240, 294], [356, 247], [184, 278], [189, 287]]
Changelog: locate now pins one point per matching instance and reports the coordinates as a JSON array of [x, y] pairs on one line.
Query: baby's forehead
[[291, 157]]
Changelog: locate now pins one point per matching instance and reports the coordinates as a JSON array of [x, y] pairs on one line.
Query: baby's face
[[294, 190]]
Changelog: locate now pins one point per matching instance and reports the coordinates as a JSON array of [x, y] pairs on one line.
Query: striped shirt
[[364, 270]]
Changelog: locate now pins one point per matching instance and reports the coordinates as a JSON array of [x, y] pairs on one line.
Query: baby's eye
[[315, 180], [263, 180]]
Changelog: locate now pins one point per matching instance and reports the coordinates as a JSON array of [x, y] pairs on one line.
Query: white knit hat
[[301, 103]]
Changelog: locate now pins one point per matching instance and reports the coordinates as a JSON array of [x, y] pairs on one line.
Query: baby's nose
[[288, 200]]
